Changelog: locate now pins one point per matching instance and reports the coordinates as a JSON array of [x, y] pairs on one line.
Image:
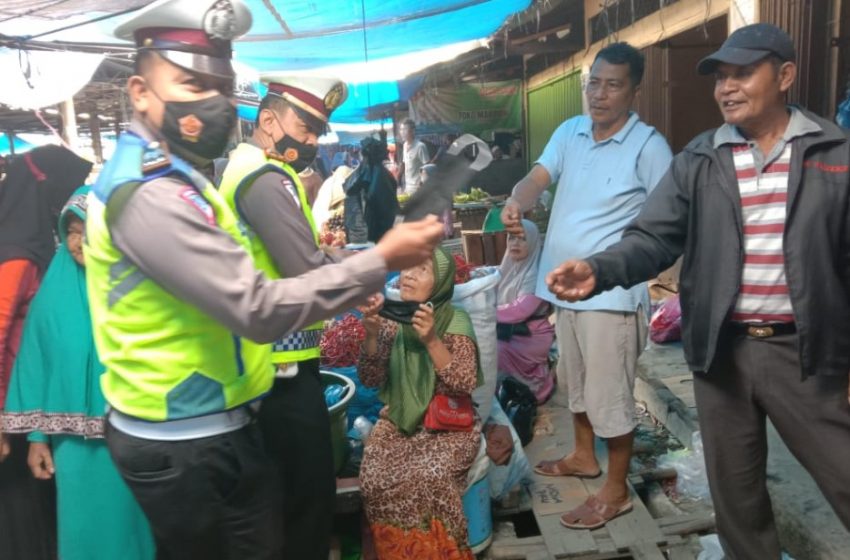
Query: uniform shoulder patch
[[199, 203], [289, 185]]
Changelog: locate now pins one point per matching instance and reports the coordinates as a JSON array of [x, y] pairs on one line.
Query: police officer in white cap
[[182, 316], [261, 184]]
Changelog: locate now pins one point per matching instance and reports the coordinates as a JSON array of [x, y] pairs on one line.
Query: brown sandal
[[552, 468], [593, 514]]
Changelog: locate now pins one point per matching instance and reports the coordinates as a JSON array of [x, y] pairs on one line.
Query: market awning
[[376, 42], [301, 35], [294, 34]]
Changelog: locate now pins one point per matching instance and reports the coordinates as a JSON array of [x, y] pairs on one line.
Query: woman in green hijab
[[54, 396], [414, 467]]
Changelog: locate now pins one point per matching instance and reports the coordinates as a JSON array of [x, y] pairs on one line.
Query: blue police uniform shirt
[[602, 187]]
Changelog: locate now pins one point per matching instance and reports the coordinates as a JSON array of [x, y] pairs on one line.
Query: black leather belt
[[763, 330]]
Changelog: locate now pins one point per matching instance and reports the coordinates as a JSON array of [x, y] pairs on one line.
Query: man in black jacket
[[760, 209]]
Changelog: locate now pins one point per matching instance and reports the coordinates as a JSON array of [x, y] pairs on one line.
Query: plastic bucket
[[476, 508], [339, 417]]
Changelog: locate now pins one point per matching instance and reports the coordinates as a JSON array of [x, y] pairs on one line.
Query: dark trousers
[[750, 380], [27, 508], [296, 431], [209, 498]]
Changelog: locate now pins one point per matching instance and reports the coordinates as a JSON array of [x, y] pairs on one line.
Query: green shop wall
[[548, 106]]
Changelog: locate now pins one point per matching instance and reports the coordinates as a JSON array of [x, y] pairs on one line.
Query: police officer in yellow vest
[[261, 184], [182, 316]]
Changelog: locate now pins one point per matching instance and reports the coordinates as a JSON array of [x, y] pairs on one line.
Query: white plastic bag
[[478, 298], [691, 478], [712, 550], [504, 478]]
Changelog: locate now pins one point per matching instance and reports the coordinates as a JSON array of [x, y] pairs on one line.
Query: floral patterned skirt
[[412, 490]]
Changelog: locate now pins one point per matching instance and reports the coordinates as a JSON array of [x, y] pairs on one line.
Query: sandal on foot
[[593, 514], [553, 468]]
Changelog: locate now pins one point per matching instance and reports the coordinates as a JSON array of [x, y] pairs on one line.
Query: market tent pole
[[10, 134], [69, 122], [94, 129]]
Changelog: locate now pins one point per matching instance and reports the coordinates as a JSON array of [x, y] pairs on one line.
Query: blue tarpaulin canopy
[[20, 145], [336, 37], [316, 34], [310, 35], [360, 98]]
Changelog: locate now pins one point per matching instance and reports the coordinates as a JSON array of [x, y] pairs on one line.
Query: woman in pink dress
[[525, 333]]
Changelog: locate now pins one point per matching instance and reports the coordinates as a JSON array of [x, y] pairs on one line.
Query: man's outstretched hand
[[572, 281], [512, 216], [410, 243]]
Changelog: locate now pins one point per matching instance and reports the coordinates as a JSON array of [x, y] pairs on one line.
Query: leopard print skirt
[[412, 488]]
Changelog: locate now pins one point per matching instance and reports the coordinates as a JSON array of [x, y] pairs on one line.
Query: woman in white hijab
[[525, 334]]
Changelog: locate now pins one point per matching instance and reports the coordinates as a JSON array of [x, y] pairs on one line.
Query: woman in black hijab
[[36, 187]]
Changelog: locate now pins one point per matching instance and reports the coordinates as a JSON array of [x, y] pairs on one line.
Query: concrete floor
[[809, 530]]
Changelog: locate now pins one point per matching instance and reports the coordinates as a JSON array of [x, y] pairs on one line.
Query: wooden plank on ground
[[646, 551], [637, 526], [633, 533], [686, 524], [517, 549], [577, 542], [683, 552], [553, 496], [550, 530], [556, 494]]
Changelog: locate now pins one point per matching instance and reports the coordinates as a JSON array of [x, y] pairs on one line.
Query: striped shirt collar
[[798, 125]]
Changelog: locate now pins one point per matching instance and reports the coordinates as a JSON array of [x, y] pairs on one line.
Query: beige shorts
[[599, 351]]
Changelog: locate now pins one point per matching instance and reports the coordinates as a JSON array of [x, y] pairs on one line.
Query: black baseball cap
[[750, 44]]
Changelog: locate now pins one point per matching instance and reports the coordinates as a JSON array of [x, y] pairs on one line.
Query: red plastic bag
[[666, 322]]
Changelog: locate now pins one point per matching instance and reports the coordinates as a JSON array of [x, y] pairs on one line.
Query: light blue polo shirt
[[602, 187]]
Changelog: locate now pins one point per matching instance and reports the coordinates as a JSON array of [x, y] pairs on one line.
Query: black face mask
[[199, 130], [399, 311], [297, 154]]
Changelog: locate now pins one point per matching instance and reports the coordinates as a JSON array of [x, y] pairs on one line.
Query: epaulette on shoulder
[[155, 158]]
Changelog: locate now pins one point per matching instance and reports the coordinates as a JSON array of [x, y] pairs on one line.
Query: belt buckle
[[760, 331]]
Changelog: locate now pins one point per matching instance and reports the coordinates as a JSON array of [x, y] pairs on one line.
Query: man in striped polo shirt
[[760, 209]]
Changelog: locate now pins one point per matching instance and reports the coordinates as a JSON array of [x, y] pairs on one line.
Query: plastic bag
[[520, 406], [478, 298], [506, 477], [691, 479], [666, 322], [712, 550], [334, 394], [365, 401]]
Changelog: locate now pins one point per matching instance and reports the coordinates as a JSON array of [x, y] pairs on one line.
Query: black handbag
[[520, 405], [505, 331]]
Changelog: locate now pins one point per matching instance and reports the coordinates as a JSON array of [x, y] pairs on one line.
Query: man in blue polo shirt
[[605, 164]]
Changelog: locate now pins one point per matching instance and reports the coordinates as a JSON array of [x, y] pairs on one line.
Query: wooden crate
[[471, 218], [482, 248]]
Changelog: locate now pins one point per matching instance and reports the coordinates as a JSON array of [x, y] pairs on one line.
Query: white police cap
[[316, 97], [194, 34]]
